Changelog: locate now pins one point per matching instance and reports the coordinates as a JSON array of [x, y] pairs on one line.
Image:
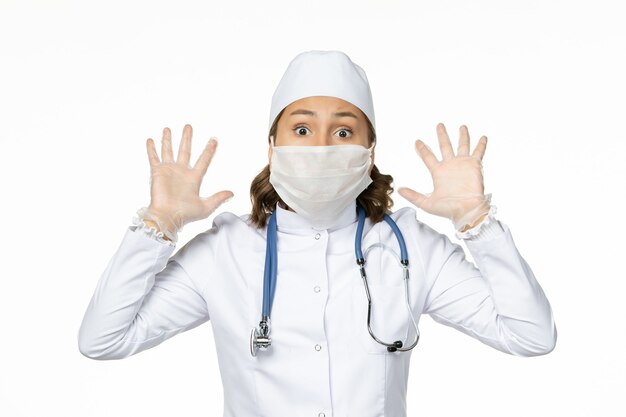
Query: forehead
[[321, 102]]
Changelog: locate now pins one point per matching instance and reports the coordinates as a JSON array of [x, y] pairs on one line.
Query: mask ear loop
[[370, 152]]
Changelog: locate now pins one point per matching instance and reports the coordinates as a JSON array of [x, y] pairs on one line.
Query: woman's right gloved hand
[[175, 185]]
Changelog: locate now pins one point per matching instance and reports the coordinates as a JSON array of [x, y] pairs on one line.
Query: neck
[[285, 206]]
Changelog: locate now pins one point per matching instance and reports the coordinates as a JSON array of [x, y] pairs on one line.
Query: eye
[[300, 129], [345, 132]]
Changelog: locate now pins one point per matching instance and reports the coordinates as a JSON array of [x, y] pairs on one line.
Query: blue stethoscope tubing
[[259, 338]]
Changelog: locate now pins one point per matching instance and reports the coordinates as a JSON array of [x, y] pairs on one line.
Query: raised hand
[[458, 192], [175, 185]]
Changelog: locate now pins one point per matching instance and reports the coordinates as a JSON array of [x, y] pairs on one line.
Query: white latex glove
[[457, 181], [175, 185]]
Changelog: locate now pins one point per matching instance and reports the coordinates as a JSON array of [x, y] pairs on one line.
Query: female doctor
[[314, 297]]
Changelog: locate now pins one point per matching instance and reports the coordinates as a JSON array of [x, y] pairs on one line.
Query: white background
[[84, 84]]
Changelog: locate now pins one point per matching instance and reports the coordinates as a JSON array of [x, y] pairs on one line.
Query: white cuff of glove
[[143, 214], [473, 214], [486, 228]]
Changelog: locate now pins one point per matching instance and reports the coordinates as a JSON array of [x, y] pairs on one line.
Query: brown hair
[[375, 199]]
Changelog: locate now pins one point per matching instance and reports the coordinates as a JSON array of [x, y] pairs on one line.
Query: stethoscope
[[260, 337]]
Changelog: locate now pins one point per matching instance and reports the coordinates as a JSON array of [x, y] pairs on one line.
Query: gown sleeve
[[142, 298], [500, 302]]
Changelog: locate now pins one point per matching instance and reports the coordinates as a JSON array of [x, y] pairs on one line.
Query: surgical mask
[[319, 182]]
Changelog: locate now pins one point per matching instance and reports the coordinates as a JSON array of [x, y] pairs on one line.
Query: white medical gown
[[322, 360]]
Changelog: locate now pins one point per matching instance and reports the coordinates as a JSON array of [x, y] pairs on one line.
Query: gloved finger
[[444, 142], [216, 200], [204, 160], [184, 149], [426, 154], [153, 157], [464, 142], [166, 146], [479, 151], [412, 195]]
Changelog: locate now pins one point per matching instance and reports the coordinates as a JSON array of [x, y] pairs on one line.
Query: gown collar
[[286, 219]]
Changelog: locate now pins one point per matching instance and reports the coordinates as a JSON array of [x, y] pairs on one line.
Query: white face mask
[[319, 182]]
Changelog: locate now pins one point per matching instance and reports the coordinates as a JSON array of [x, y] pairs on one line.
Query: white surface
[[83, 85]]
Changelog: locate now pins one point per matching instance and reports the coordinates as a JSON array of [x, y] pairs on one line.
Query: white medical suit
[[322, 361]]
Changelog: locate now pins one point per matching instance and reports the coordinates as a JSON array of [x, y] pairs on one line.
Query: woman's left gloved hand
[[457, 181]]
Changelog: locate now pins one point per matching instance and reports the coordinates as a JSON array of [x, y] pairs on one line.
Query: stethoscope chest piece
[[260, 339]]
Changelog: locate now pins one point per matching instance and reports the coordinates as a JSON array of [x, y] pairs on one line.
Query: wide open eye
[[300, 129], [345, 133]]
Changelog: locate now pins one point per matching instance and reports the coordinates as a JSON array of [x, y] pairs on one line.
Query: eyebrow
[[312, 113]]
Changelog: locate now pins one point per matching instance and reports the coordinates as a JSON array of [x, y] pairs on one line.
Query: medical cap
[[323, 73]]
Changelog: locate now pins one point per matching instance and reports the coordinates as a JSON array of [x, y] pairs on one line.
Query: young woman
[[314, 297]]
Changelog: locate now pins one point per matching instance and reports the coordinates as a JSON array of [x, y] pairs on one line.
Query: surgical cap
[[323, 73]]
